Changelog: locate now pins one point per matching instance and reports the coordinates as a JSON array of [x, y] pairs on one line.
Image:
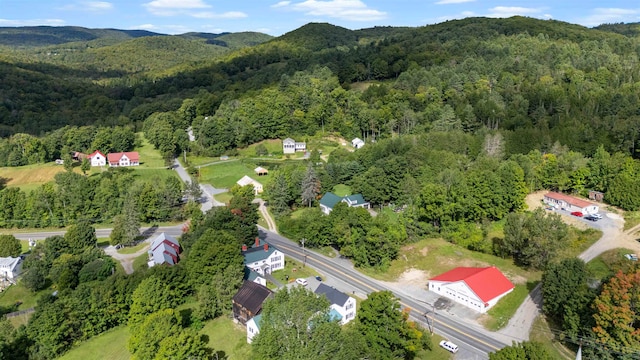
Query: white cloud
[[446, 2], [32, 22], [92, 6], [353, 10], [507, 11], [174, 7], [144, 27], [610, 15], [281, 4], [213, 15]]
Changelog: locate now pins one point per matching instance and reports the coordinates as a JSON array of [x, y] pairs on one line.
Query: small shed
[[596, 195], [260, 171]]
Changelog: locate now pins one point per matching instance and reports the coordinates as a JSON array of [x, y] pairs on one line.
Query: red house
[[476, 288]]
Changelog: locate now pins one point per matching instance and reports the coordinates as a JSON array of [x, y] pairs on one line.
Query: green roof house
[[330, 200]]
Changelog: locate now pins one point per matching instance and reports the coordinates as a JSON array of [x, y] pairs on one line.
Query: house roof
[[260, 170], [569, 199], [357, 141], [245, 180], [256, 254], [288, 140], [94, 154], [115, 157], [487, 283], [333, 295], [334, 315], [330, 200], [355, 199], [257, 319], [250, 274], [9, 262], [251, 296], [161, 238], [163, 254]]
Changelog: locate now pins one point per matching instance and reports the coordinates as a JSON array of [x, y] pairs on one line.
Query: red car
[[577, 213]]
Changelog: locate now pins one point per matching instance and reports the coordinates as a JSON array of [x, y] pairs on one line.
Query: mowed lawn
[[226, 174], [112, 345]]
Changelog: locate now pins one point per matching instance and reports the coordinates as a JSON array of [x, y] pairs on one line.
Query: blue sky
[[277, 17]]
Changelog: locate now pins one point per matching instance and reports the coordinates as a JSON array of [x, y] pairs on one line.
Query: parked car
[[577, 213], [449, 346], [597, 215], [302, 281], [318, 278], [632, 257], [591, 218]]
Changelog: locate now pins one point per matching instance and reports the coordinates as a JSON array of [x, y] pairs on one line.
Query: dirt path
[[125, 259], [271, 224]]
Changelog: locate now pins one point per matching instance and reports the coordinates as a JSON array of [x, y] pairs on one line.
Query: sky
[[276, 17]]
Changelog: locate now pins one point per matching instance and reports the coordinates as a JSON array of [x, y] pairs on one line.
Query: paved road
[[474, 341], [209, 191], [174, 230]]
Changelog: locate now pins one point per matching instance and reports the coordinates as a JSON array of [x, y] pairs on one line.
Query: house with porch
[[290, 146], [164, 249], [97, 158], [476, 288], [262, 257], [329, 200], [131, 158], [570, 203], [247, 302]]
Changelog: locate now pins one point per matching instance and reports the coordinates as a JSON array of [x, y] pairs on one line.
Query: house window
[[349, 306], [276, 258]]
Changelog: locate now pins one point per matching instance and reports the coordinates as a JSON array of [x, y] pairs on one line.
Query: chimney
[[244, 247], [257, 242], [266, 247]]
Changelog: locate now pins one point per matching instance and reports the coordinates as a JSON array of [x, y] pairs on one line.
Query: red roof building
[[570, 203], [476, 288], [131, 158], [97, 158]]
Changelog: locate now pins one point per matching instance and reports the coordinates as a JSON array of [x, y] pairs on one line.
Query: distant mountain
[[630, 29], [34, 36]]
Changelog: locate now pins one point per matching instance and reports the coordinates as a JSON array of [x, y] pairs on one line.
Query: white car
[[302, 281], [597, 215], [449, 346]]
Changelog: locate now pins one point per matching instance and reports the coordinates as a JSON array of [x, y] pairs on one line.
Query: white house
[[253, 276], [263, 258], [476, 288], [329, 200], [97, 158], [10, 268], [290, 146], [253, 327], [357, 143], [342, 303], [570, 203], [131, 158], [245, 180]]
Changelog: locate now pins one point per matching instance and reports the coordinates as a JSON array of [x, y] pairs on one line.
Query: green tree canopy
[[10, 246]]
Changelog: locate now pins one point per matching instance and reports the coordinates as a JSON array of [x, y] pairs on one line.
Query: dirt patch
[[414, 277], [534, 200], [424, 251]]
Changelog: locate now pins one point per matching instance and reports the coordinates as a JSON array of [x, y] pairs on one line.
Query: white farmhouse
[[476, 288], [246, 180], [97, 158], [10, 268], [342, 303], [290, 146], [570, 203], [263, 258]]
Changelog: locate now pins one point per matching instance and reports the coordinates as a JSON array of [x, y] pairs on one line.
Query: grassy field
[[132, 249], [140, 262], [226, 174], [18, 293], [228, 340], [342, 190], [150, 158], [224, 197], [631, 219], [110, 345], [607, 263], [274, 146], [542, 333], [29, 177], [499, 315]]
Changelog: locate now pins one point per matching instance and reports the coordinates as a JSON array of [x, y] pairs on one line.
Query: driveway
[[207, 201], [613, 237]]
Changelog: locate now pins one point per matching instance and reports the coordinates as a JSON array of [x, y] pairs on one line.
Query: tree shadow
[[4, 181], [147, 233]]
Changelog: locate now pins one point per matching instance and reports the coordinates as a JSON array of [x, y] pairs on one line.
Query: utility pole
[[304, 262]]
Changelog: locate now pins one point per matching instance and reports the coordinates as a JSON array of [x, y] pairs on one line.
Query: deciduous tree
[[10, 246]]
